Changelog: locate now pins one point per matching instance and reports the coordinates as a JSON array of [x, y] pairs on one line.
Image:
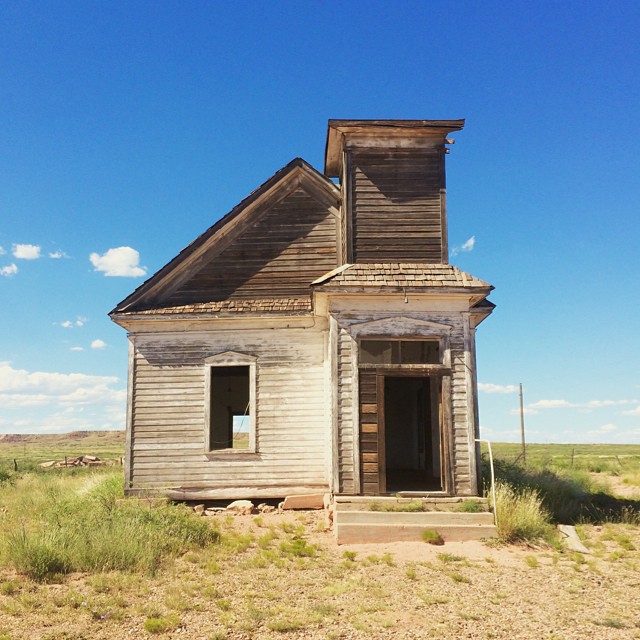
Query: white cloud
[[76, 348], [487, 387], [581, 406], [632, 412], [98, 344], [121, 261], [20, 388], [9, 270], [26, 251], [56, 255], [2, 251], [596, 435], [78, 322], [59, 402], [549, 404], [467, 245]]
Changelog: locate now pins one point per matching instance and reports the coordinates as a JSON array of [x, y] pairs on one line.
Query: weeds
[[521, 516], [568, 496], [431, 536], [412, 506], [471, 506], [298, 547], [161, 624], [97, 531]]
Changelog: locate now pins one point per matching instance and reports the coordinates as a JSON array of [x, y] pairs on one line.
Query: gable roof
[[399, 275], [297, 174]]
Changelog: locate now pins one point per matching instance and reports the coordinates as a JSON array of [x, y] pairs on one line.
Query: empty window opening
[[230, 408], [400, 352]]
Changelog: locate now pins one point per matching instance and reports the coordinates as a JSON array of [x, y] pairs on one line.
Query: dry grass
[[281, 578], [278, 576]]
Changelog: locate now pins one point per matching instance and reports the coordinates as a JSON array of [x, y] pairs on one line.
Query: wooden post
[[15, 464], [524, 452]]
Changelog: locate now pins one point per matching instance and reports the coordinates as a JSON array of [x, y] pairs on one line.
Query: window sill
[[232, 454]]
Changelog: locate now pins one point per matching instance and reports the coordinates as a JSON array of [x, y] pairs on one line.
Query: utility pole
[[524, 453]]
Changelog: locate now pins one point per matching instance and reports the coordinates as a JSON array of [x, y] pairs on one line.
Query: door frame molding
[[444, 418]]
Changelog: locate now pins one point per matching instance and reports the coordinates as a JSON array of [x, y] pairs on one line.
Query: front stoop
[[356, 523]]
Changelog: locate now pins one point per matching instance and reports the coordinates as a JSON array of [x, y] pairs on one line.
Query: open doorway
[[412, 433]]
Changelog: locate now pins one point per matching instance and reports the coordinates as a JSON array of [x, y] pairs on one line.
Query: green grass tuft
[[161, 624], [520, 514], [431, 536]]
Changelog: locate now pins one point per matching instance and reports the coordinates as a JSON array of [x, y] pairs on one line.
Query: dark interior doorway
[[412, 434]]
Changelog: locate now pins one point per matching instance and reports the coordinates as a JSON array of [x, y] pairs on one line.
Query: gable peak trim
[[231, 357]]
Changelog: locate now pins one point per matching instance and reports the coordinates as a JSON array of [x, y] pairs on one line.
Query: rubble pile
[[80, 461]]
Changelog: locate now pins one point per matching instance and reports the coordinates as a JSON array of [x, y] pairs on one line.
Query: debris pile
[[80, 461]]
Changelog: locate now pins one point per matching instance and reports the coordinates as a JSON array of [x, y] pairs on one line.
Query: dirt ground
[[253, 586]]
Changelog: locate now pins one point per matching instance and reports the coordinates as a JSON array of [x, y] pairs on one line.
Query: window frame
[[399, 340], [230, 359]]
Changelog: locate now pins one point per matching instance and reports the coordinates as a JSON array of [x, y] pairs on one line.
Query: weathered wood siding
[[396, 205], [369, 434], [459, 407], [286, 249], [346, 390], [168, 412]]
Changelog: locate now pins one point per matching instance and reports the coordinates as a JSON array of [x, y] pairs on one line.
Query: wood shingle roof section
[[399, 275], [289, 306]]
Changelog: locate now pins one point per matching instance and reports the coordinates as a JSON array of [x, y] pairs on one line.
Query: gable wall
[[168, 413], [291, 245], [396, 210]]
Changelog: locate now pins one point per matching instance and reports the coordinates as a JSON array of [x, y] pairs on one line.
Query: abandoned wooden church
[[316, 338]]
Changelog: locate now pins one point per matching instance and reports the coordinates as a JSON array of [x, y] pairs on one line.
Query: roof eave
[[339, 129]]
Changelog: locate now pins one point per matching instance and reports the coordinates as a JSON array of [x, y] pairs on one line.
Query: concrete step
[[425, 519], [353, 527], [391, 503], [379, 533]]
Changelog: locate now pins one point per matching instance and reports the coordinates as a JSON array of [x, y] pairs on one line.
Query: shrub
[[39, 557], [520, 515], [431, 536], [569, 497], [6, 477]]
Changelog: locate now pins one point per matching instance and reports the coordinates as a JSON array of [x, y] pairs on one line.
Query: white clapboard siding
[[168, 414]]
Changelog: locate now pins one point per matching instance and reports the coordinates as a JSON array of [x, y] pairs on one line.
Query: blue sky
[[138, 124]]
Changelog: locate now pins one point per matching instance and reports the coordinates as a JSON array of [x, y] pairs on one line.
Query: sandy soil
[[401, 590]]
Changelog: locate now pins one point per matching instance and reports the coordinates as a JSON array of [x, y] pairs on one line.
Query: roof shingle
[[400, 274], [269, 305]]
